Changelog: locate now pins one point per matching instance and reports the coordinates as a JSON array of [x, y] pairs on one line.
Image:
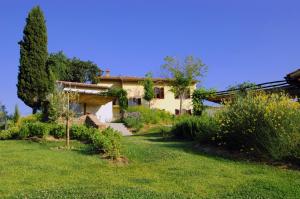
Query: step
[[120, 127]]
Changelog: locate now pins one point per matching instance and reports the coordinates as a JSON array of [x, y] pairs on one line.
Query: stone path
[[120, 127]]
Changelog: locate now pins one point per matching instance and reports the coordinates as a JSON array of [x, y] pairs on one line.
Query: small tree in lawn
[[59, 107], [16, 115], [183, 73], [148, 88]]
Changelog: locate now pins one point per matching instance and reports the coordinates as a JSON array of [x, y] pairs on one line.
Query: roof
[[85, 85], [135, 79], [294, 75]]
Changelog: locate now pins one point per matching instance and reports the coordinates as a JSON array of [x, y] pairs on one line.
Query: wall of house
[[136, 90], [103, 112]]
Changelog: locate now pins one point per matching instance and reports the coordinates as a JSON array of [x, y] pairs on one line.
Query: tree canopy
[[74, 70], [34, 79], [183, 73], [148, 88]]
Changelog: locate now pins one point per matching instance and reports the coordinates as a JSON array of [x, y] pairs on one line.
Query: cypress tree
[[16, 116], [34, 79]]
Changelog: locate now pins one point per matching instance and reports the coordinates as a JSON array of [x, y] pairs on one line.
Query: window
[[184, 111], [159, 93], [187, 95], [134, 101]]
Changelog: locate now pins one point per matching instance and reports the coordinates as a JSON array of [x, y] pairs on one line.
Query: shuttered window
[[159, 93]]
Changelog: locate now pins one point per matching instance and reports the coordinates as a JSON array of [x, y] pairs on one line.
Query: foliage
[[31, 129], [3, 116], [243, 88], [261, 124], [34, 79], [134, 121], [80, 132], [183, 74], [57, 130], [74, 70], [31, 118], [152, 116], [148, 88], [198, 97], [10, 133], [59, 65], [201, 128], [108, 141], [16, 115], [121, 95], [82, 71], [57, 104]]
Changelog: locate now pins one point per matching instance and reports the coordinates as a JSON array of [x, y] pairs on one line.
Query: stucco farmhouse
[[107, 108]]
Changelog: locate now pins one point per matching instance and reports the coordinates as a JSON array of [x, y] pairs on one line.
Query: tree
[[59, 65], [183, 74], [148, 88], [82, 71], [34, 78], [58, 106], [16, 115], [3, 116]]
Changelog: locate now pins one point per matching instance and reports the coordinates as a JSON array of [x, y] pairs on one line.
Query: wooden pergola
[[290, 85]]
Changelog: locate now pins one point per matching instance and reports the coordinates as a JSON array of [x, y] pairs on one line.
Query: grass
[[156, 169]]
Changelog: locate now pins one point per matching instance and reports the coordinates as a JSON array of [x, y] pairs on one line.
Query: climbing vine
[[198, 98]]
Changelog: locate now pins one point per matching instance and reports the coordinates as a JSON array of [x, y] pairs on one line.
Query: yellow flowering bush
[[260, 123]]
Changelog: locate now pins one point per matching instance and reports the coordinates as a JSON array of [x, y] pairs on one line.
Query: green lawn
[[157, 169]]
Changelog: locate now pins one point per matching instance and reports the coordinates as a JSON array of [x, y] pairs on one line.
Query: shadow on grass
[[217, 153]]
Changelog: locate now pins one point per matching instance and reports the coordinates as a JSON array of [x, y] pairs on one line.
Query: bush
[[31, 129], [80, 132], [265, 125], [200, 128], [151, 116], [57, 130], [10, 133], [31, 118], [108, 141], [134, 122]]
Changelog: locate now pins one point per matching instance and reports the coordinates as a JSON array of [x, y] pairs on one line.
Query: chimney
[[107, 73]]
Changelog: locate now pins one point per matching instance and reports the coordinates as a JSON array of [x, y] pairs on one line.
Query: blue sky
[[255, 40]]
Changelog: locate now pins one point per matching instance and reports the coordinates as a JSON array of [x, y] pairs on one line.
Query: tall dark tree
[[34, 79]]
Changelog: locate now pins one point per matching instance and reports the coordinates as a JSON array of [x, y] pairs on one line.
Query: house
[[107, 109]]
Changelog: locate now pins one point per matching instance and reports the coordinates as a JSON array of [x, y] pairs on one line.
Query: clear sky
[[255, 40]]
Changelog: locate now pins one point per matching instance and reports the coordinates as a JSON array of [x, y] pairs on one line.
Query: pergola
[[290, 85]]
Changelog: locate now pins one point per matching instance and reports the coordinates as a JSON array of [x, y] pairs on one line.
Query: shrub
[[265, 125], [151, 116], [108, 141], [10, 133], [31, 118], [134, 122], [200, 128], [38, 129], [80, 132], [57, 130]]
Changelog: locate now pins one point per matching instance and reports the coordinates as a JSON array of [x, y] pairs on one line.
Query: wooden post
[[67, 123]]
